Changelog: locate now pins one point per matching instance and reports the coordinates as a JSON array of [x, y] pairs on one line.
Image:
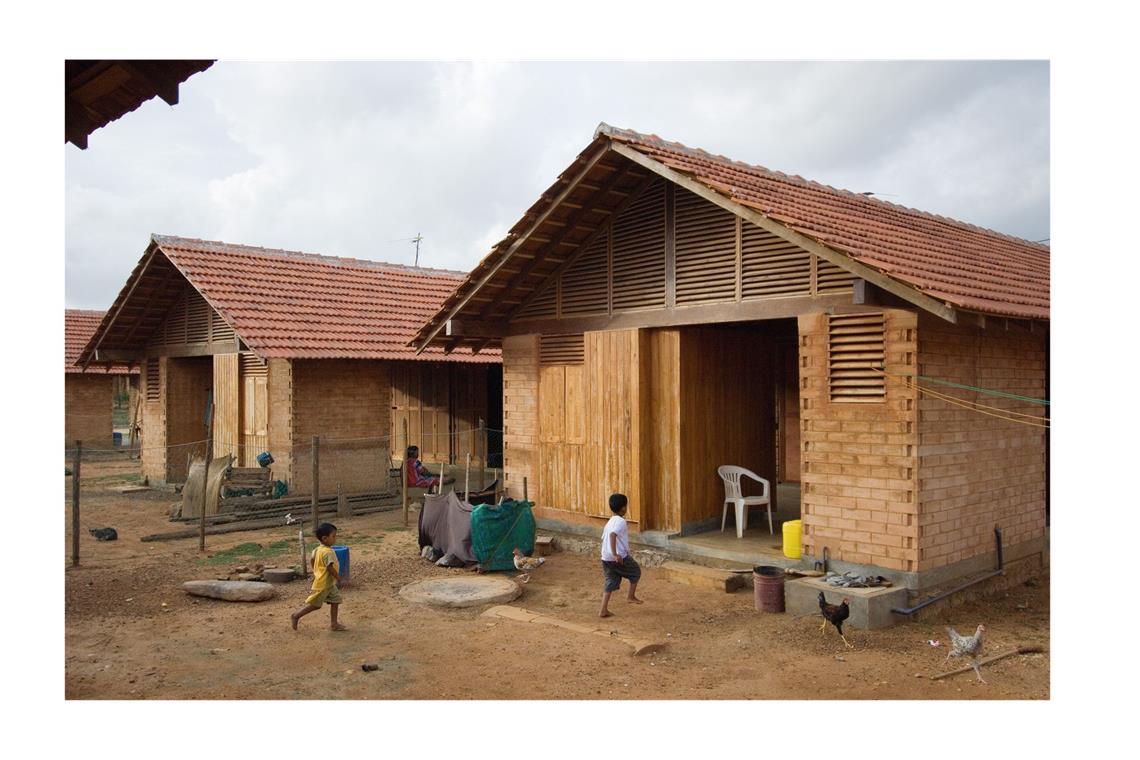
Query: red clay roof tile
[[78, 327]]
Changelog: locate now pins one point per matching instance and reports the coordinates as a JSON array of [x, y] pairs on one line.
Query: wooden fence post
[[404, 472], [316, 477], [525, 497], [75, 505], [206, 472]]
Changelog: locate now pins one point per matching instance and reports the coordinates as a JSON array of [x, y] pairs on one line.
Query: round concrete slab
[[469, 591]]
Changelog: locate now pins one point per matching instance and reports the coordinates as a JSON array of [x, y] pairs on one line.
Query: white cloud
[[354, 158]]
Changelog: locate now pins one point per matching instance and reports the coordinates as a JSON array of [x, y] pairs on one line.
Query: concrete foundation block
[[703, 577], [870, 607]]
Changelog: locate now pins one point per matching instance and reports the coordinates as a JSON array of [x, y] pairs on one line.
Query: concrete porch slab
[[870, 607]]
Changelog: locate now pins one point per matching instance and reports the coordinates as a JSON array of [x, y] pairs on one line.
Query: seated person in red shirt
[[419, 476]]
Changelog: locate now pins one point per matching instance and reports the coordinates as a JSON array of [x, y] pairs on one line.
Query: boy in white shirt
[[616, 560]]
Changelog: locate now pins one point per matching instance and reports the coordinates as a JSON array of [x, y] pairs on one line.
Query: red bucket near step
[[768, 588]]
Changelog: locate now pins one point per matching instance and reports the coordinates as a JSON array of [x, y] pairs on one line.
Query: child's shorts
[[330, 595], [615, 571]]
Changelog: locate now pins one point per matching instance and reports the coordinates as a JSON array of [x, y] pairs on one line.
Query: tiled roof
[[301, 305], [965, 266], [78, 327]]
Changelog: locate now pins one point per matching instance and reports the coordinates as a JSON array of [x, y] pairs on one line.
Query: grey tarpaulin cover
[[446, 525]]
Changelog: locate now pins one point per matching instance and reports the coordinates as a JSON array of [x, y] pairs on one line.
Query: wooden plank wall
[[613, 414], [227, 406]]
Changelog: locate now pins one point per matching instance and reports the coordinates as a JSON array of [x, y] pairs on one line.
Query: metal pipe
[[926, 603]]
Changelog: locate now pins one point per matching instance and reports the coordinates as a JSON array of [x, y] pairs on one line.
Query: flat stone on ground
[[470, 591], [231, 591]]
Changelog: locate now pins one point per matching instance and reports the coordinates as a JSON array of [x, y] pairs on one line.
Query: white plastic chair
[[731, 475]]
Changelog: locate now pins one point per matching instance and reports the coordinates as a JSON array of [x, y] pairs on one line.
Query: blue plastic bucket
[[342, 560], [117, 439], [264, 459]]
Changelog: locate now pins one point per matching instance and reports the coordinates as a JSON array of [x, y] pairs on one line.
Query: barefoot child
[[616, 561], [326, 575]]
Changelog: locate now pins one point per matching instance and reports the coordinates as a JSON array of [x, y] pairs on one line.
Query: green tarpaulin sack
[[497, 529]]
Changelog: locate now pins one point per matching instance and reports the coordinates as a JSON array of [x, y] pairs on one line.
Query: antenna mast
[[417, 240]]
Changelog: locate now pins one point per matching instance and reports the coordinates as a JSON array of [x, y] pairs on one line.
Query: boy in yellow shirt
[[326, 575]]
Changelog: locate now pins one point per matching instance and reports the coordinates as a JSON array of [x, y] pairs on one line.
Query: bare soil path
[[131, 633]]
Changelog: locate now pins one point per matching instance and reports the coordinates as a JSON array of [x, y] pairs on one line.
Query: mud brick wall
[[341, 400], [520, 414], [186, 382], [153, 425], [859, 460], [87, 410], [976, 470], [279, 427]]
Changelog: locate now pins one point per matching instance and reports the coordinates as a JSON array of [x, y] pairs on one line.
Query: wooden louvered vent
[[561, 349], [219, 330], [197, 318], [705, 250], [546, 305], [585, 285], [856, 349], [152, 380], [771, 266], [639, 252], [831, 279], [253, 365]]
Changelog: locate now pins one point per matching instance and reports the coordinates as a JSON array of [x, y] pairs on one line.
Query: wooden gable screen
[[191, 321], [670, 247]]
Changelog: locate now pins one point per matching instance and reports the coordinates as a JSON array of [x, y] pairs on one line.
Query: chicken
[[834, 614], [967, 646], [525, 564]]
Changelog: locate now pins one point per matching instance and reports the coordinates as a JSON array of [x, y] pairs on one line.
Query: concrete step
[[703, 577]]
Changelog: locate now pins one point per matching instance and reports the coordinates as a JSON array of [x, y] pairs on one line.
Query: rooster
[[834, 614], [525, 565], [967, 646]]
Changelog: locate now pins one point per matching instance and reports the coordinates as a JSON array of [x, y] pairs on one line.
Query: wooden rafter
[[602, 151], [569, 262], [559, 239]]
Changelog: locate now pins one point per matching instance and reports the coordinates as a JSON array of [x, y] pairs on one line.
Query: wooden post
[[439, 485], [75, 505], [498, 484], [481, 450], [206, 472], [404, 471], [301, 543], [316, 478], [525, 497], [467, 480]]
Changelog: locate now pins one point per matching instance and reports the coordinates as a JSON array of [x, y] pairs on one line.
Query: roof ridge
[[630, 135], [175, 241]]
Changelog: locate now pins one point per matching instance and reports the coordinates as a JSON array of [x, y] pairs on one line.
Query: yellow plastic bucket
[[792, 539]]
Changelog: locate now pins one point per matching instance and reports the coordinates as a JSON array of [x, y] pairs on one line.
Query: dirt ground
[[131, 633]]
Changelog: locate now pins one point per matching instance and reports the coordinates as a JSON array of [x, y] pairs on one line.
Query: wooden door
[[420, 395], [612, 402], [226, 403]]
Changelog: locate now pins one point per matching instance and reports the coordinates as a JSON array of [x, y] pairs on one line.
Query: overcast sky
[[353, 159]]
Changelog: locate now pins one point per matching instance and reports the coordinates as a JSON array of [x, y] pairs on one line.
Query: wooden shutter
[[639, 252], [585, 285], [771, 266], [197, 318], [561, 349], [856, 349], [220, 332], [705, 249]]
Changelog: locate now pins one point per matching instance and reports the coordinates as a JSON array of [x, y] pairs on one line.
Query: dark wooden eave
[[98, 92]]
